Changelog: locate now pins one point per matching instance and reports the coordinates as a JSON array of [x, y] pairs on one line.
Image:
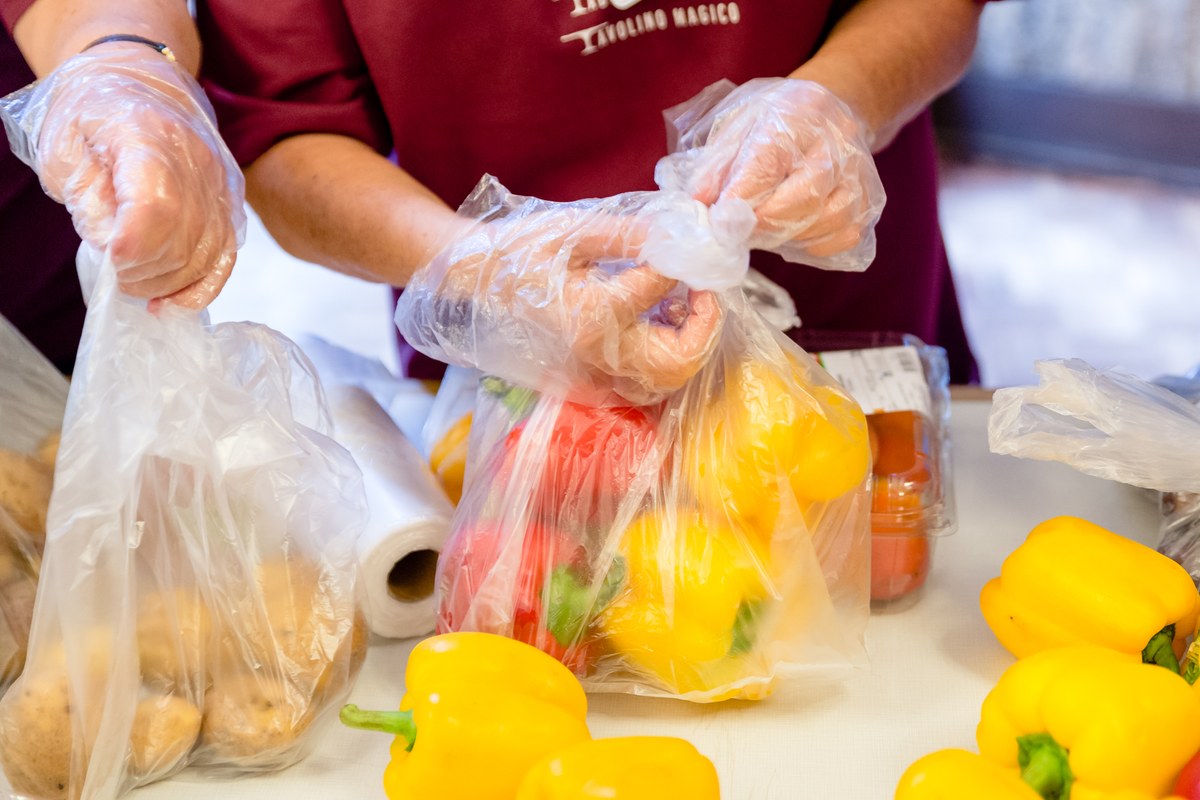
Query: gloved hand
[[555, 296], [124, 137], [792, 150]]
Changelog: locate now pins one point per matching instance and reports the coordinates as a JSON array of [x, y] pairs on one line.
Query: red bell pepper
[[542, 598], [589, 462], [1187, 785]]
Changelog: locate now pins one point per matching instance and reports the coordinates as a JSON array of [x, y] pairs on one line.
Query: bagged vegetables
[[197, 599], [32, 397], [694, 536]]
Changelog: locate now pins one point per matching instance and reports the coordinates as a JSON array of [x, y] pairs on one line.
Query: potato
[[12, 655], [164, 730], [35, 735], [9, 569], [47, 451], [318, 652], [252, 722], [173, 630], [25, 485], [16, 616]]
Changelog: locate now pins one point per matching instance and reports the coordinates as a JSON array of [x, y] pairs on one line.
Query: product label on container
[[881, 378]]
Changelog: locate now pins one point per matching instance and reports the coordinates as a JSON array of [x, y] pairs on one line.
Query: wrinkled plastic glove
[[795, 153], [125, 138], [558, 297]]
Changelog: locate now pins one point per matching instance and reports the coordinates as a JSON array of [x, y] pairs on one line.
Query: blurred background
[[1070, 200]]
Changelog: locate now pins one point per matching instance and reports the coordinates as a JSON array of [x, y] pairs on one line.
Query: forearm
[[888, 59], [334, 201], [52, 31]]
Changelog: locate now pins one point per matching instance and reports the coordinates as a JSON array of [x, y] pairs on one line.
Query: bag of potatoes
[[197, 599], [33, 395]]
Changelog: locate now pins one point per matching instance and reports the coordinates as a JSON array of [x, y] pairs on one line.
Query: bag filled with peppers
[[33, 395], [196, 602], [693, 539]]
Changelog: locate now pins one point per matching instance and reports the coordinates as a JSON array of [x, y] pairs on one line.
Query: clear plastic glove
[[124, 137], [791, 150], [558, 297]]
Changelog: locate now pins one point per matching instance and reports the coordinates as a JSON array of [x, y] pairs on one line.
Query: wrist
[[132, 38], [840, 87], [442, 227]]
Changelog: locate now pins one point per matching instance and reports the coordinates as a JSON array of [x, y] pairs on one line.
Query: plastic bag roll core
[[412, 577]]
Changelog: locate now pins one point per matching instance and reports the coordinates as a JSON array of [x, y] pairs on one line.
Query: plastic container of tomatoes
[[902, 385]]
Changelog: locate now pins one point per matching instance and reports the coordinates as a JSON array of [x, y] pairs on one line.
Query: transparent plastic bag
[[33, 395], [1115, 426], [1104, 423], [406, 400], [698, 547], [197, 597], [695, 537]]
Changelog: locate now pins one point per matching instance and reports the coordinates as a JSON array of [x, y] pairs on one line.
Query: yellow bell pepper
[[774, 442], [958, 774], [478, 712], [1089, 722], [689, 610], [626, 768], [1072, 582], [448, 458]]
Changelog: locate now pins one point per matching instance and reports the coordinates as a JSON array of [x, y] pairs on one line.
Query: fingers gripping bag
[[693, 528], [33, 395], [197, 597]]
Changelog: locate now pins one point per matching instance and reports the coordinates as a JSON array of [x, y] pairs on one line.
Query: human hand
[[792, 150], [556, 296], [124, 138]]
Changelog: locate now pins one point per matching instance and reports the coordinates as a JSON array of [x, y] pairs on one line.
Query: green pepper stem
[[1160, 650], [1190, 669], [397, 723], [745, 627], [516, 399], [567, 606], [1045, 766], [570, 604]]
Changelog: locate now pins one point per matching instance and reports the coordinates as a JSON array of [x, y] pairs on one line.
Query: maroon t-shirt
[[562, 99], [39, 290]]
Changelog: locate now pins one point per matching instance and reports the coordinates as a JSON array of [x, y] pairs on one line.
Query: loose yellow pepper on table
[[1072, 582], [479, 711], [689, 613], [624, 768], [957, 775], [1079, 722]]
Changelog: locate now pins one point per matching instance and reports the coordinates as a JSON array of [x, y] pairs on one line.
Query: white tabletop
[[932, 663]]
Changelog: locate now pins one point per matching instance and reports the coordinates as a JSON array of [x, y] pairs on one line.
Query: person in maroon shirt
[[361, 123], [39, 292], [122, 135]]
